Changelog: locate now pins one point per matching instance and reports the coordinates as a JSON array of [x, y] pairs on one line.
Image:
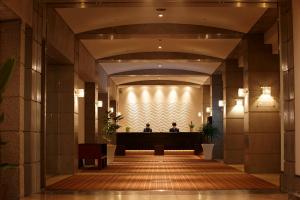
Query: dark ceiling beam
[[158, 72], [160, 30], [158, 56], [160, 82], [160, 3]]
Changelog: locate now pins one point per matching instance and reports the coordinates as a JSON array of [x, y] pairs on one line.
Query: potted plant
[[5, 72], [192, 126], [209, 133], [110, 128]]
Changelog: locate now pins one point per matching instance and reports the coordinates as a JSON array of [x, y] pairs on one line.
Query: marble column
[[217, 114], [91, 112], [233, 116], [262, 117]]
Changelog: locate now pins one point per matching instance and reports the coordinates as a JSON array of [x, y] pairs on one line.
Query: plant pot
[[208, 151], [111, 149]]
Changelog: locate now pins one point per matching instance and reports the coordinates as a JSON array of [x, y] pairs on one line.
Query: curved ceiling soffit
[[159, 82], [161, 55], [153, 30], [159, 72]]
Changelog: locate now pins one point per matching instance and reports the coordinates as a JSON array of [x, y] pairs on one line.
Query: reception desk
[[154, 140]]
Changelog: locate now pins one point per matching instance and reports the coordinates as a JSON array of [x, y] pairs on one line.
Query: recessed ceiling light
[[198, 60], [160, 47], [160, 15]]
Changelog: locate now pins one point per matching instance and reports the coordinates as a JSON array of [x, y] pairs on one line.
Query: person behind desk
[[174, 129], [147, 129]]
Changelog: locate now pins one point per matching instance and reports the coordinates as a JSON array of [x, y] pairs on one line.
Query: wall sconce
[[266, 91], [208, 109], [111, 109], [266, 98], [242, 92], [239, 106], [79, 92], [100, 104], [221, 103]]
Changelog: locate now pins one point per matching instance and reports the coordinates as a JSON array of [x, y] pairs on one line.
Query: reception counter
[[161, 140]]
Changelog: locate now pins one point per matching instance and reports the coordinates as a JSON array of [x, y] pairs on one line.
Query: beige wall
[[160, 106]]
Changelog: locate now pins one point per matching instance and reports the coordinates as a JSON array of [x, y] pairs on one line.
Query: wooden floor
[[169, 172]]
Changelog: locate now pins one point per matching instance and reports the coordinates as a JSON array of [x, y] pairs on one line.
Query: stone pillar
[[62, 119], [233, 116], [206, 102], [217, 113], [91, 110], [102, 112], [12, 44], [287, 66], [262, 117], [113, 104]]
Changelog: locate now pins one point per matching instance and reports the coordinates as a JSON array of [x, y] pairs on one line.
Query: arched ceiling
[[237, 19], [110, 32]]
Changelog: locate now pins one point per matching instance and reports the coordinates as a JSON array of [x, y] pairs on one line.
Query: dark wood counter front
[[169, 141]]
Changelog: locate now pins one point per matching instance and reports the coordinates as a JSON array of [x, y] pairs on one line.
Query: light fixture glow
[[266, 91], [100, 104], [119, 113], [159, 47], [221, 103], [79, 92], [160, 15], [199, 114], [208, 109], [111, 109], [239, 102], [242, 92], [159, 66]]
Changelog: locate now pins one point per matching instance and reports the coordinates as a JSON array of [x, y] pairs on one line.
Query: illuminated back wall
[[160, 106]]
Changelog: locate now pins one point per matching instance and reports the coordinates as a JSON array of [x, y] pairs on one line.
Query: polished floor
[[163, 195], [169, 172], [137, 165]]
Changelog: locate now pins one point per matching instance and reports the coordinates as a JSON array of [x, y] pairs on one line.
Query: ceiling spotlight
[[159, 47], [160, 15], [198, 60]]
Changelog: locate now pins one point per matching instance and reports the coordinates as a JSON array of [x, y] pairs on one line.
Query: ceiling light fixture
[[160, 15], [159, 47]]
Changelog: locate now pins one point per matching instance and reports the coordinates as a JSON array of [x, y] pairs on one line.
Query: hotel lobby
[[149, 99]]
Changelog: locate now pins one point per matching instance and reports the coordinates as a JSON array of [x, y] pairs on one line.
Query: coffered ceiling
[[111, 31]]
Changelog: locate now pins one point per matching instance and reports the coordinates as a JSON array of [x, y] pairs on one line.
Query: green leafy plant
[[5, 72], [111, 125], [209, 132]]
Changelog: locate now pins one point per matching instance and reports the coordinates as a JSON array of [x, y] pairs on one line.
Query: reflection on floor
[[169, 172], [169, 165]]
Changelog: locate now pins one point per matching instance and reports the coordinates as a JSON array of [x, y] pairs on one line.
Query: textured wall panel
[[160, 106]]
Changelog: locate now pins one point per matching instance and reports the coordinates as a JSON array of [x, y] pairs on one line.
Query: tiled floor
[[162, 195]]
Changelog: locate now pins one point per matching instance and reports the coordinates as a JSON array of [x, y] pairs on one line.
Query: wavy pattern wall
[[160, 106]]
